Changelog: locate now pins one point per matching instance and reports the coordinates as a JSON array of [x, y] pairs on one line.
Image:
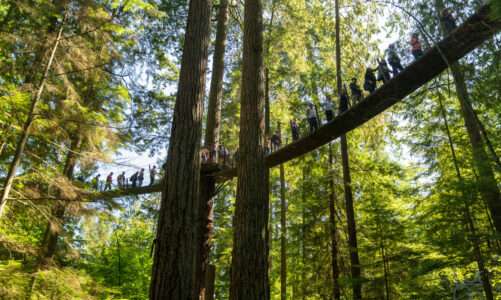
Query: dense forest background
[[107, 86]]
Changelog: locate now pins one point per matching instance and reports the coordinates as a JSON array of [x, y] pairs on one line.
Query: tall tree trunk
[[475, 241], [216, 86], [348, 195], [176, 249], [54, 226], [26, 131], [383, 257], [283, 236], [333, 233], [210, 282], [206, 226], [249, 268], [486, 181]]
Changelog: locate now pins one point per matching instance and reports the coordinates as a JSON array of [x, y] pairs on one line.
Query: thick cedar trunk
[[54, 227], [174, 269], [486, 181], [26, 131], [283, 236], [216, 86], [206, 226], [210, 281], [477, 252], [336, 291], [249, 268], [348, 195]]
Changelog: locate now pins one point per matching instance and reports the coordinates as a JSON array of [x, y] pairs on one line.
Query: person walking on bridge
[[383, 71], [370, 80], [312, 118], [394, 60], [294, 130], [133, 179], [328, 108], [121, 180], [109, 181], [448, 20], [356, 92], [153, 173], [417, 50], [95, 182], [344, 100], [276, 141]]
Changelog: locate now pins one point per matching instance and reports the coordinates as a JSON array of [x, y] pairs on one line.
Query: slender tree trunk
[[333, 233], [283, 236], [26, 131], [249, 268], [477, 252], [348, 195], [210, 282], [303, 235], [383, 256], [216, 87], [206, 228], [174, 269], [486, 181], [2, 146], [54, 227]]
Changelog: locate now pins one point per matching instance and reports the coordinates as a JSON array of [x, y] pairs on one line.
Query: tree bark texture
[[348, 194], [210, 281], [26, 131], [249, 269], [336, 291], [206, 228], [216, 87], [54, 227], [283, 236], [174, 268]]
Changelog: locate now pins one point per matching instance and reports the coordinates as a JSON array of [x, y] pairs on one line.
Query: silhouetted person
[[383, 71], [312, 118], [294, 130], [328, 109], [344, 100], [448, 20], [140, 178], [133, 179], [356, 92], [370, 80], [109, 181], [121, 180], [153, 173], [276, 141], [95, 182], [394, 61], [417, 50]]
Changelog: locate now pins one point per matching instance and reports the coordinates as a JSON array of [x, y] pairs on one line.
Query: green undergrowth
[[18, 281]]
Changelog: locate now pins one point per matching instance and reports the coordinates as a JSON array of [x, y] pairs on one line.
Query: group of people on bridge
[[381, 73], [124, 182]]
